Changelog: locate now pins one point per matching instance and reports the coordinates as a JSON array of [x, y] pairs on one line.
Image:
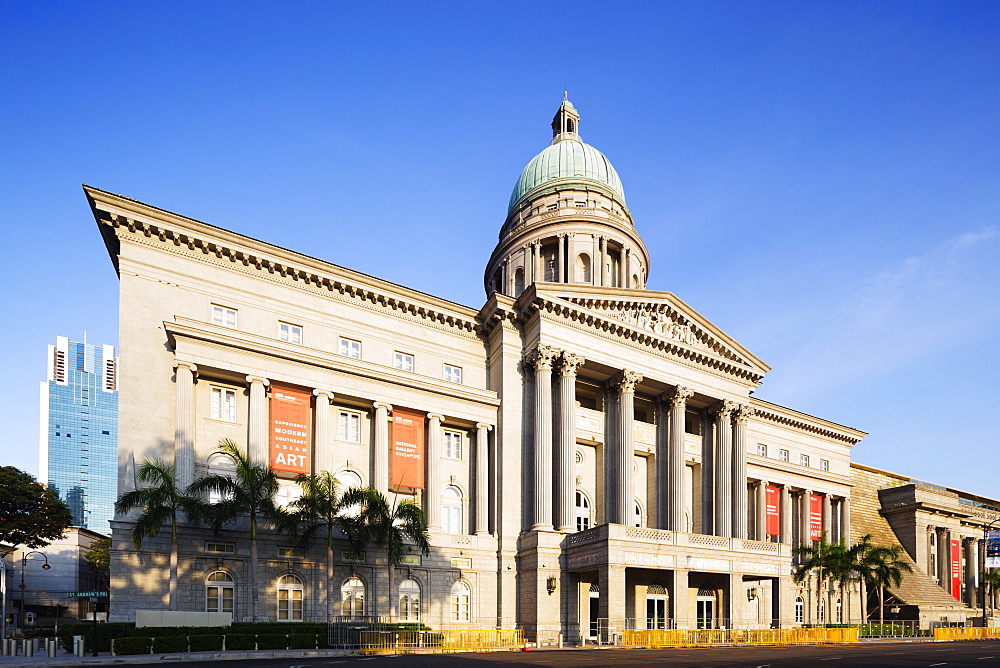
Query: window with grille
[[223, 315], [402, 361], [289, 332], [350, 426], [350, 348], [453, 445], [452, 374], [409, 601], [223, 404], [352, 598], [290, 599], [582, 511], [461, 597], [219, 589], [451, 510]]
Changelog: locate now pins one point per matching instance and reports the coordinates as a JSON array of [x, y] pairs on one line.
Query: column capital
[[190, 365], [569, 363], [677, 396], [258, 379], [381, 404], [323, 393], [435, 416], [483, 425], [723, 409], [741, 413], [625, 380], [541, 357]]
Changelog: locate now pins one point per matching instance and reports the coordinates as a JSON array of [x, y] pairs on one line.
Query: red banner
[[772, 510], [406, 460], [956, 570], [815, 517], [291, 429]]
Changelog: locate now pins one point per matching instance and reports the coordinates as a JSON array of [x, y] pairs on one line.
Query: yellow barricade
[[967, 633], [473, 640], [717, 637]]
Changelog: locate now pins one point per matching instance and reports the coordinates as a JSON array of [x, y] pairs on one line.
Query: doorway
[[593, 611], [705, 609], [656, 606]]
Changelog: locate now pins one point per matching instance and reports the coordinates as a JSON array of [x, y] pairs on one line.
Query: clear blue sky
[[820, 179]]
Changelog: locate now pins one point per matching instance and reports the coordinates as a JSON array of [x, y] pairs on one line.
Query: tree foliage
[[31, 514]]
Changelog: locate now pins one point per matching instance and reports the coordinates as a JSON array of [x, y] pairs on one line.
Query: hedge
[[205, 643], [303, 641], [272, 641], [134, 645], [240, 641], [170, 644]]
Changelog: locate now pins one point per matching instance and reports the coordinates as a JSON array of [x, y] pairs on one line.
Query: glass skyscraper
[[79, 430]]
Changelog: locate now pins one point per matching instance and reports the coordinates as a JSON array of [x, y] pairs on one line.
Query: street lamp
[[24, 560]]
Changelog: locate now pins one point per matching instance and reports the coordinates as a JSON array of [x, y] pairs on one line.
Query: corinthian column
[[845, 521], [482, 478], [561, 261], [257, 432], [432, 498], [740, 416], [323, 457], [603, 257], [723, 411], [541, 359], [785, 513], [761, 514], [619, 508], [380, 452], [185, 373], [671, 470], [566, 456]]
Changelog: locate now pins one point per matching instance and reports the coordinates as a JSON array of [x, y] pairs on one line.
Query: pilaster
[[323, 452], [620, 503], [565, 480], [257, 441], [184, 428], [380, 453], [542, 358], [432, 496]]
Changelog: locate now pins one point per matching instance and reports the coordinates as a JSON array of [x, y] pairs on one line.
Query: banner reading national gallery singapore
[[291, 429], [772, 503], [406, 451]]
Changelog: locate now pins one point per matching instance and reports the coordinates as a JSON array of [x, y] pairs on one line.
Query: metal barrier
[[967, 633], [475, 640], [895, 629], [652, 638]]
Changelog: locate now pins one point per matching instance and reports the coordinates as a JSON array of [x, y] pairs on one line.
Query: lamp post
[[982, 579], [45, 567], [3, 598]]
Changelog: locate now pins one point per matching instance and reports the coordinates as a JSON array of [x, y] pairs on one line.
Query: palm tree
[[388, 525], [321, 509], [826, 558], [992, 581], [881, 566], [248, 493], [850, 569], [160, 500]]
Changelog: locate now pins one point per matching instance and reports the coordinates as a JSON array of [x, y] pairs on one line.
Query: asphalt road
[[881, 654]]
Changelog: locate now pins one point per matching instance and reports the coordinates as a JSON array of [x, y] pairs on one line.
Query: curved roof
[[567, 161]]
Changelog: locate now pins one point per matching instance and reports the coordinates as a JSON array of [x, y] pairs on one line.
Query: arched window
[[637, 515], [352, 598], [288, 493], [839, 619], [289, 599], [409, 601], [570, 126], [451, 510], [551, 270], [219, 587], [219, 464], [800, 610], [349, 480], [822, 611], [518, 281], [460, 600], [635, 281], [583, 273], [582, 511]]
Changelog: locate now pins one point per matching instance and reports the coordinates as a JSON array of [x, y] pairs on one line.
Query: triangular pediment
[[660, 317]]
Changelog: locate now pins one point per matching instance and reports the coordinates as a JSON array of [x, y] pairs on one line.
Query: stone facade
[[594, 455]]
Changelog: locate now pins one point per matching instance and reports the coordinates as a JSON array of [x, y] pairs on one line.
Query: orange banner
[[771, 509], [291, 429], [956, 569], [815, 517], [406, 456]]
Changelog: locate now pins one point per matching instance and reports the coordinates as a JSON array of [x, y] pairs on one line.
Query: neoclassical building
[[589, 453]]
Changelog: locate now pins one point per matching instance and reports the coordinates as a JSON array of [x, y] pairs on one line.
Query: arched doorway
[[656, 606], [706, 606], [593, 610]]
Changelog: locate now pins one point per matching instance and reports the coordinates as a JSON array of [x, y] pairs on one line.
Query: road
[[881, 655]]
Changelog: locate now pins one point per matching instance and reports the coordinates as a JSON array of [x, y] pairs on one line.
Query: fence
[[967, 633], [484, 640], [651, 638]]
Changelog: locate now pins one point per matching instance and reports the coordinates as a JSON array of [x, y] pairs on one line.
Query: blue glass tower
[[79, 430]]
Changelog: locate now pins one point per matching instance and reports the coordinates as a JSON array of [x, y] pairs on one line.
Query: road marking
[[939, 664], [985, 657], [832, 658]]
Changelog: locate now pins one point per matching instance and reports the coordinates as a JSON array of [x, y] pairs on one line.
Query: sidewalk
[[105, 659]]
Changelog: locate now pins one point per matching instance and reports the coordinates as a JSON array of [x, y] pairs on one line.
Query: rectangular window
[[350, 426], [804, 460], [762, 450], [350, 348], [452, 445], [452, 374], [783, 455], [223, 404], [224, 548], [824, 465], [402, 361], [289, 332], [412, 559], [461, 563], [223, 315], [289, 552]]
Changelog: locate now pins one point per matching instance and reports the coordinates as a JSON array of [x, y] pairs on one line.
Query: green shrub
[[170, 644], [206, 642], [302, 640], [240, 641], [132, 645], [105, 632], [272, 641]]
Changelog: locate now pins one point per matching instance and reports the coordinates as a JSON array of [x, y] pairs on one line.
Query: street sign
[[87, 594]]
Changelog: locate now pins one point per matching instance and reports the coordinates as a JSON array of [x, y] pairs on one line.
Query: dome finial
[[566, 124]]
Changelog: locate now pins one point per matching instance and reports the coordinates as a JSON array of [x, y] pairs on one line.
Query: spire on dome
[[566, 123]]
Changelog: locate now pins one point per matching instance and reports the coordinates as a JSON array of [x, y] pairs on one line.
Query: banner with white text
[[291, 429], [406, 450]]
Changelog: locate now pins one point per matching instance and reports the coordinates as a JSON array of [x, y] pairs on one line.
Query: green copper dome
[[567, 162]]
